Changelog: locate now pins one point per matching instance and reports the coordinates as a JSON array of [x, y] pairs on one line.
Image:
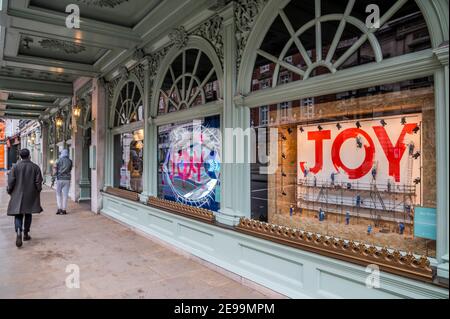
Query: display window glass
[[358, 165], [129, 143], [189, 158], [128, 161], [311, 38]]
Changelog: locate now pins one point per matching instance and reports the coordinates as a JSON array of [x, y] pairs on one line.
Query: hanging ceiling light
[[383, 123], [59, 121], [76, 110], [320, 128], [358, 125], [339, 126], [403, 121], [416, 129]]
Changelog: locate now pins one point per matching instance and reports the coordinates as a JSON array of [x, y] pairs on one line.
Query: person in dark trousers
[[63, 169], [24, 187]]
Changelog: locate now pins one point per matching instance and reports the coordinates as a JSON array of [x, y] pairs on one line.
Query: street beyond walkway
[[113, 261]]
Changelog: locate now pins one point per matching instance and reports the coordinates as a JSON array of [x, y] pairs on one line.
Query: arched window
[[359, 163], [128, 137], [129, 107], [189, 148], [190, 80], [315, 37]]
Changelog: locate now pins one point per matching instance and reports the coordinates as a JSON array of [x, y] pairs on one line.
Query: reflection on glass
[[190, 81], [189, 162], [128, 161], [281, 59]]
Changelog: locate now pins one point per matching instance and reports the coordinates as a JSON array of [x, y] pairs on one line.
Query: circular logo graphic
[[192, 164]]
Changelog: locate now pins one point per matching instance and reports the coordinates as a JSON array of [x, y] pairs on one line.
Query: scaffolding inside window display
[[362, 200], [375, 168]]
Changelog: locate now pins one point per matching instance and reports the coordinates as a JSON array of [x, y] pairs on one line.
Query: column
[[149, 145], [85, 169], [44, 147], [98, 148], [77, 146], [235, 191], [442, 158]]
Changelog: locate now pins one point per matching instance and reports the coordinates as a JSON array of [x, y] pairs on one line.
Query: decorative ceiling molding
[[245, 14], [212, 31], [103, 3], [26, 42], [179, 37], [65, 46]]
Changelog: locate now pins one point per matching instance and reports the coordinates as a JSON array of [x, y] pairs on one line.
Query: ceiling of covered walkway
[[40, 57]]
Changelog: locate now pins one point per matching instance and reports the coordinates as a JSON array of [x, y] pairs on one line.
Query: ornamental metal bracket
[[390, 261], [122, 193], [183, 210]]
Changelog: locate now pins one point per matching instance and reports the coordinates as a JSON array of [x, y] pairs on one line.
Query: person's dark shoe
[[19, 239], [59, 212], [26, 237], [64, 212]]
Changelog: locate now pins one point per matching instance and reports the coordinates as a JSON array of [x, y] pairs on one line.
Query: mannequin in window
[[135, 164]]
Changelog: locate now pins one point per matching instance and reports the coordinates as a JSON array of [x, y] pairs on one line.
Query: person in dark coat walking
[[24, 187]]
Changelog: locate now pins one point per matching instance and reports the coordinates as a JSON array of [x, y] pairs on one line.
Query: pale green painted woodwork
[[292, 272], [294, 276], [111, 46]]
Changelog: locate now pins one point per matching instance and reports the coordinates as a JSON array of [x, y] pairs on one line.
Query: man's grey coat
[[24, 186]]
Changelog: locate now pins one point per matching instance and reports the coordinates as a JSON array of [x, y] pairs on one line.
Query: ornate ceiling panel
[[36, 74], [125, 13], [40, 57], [57, 49]]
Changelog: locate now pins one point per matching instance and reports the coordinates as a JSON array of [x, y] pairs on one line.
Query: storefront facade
[[371, 78], [287, 142]]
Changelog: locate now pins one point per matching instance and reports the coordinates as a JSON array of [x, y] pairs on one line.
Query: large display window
[[128, 142], [128, 161], [189, 155], [358, 165], [189, 150]]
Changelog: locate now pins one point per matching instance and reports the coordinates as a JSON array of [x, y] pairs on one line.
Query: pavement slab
[[114, 262]]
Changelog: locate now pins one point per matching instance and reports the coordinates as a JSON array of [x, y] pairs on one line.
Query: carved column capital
[[179, 37]]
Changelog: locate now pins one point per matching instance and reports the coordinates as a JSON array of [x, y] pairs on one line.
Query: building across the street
[[302, 145]]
